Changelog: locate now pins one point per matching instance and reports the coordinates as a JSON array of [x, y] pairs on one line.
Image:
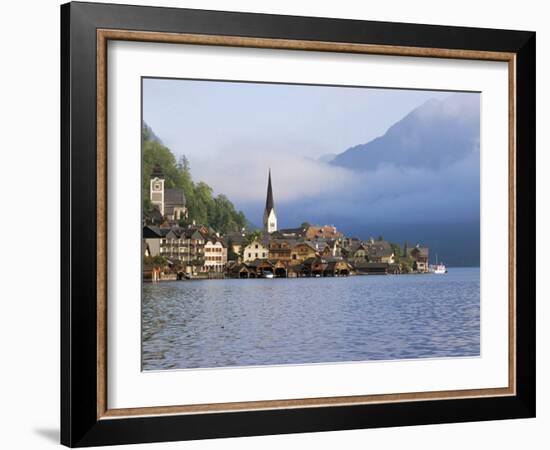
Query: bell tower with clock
[[157, 188]]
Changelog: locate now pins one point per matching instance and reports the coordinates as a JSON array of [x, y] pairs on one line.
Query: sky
[[203, 118], [233, 132]]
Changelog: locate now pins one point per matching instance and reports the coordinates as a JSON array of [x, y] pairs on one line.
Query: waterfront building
[[182, 244], [151, 239], [302, 251], [356, 250], [380, 252], [170, 202], [257, 249], [328, 247], [241, 270], [270, 218], [371, 268], [420, 256], [279, 249], [215, 255]]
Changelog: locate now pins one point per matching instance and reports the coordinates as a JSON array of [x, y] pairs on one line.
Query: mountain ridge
[[417, 140]]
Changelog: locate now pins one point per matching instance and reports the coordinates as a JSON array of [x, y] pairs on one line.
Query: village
[[175, 252]]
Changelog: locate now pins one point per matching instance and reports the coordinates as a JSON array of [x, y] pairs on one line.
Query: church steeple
[[270, 219], [269, 198]]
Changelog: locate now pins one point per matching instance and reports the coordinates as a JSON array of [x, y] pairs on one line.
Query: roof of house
[[285, 233], [235, 238], [289, 242], [422, 251], [309, 244], [380, 252], [151, 232], [263, 241], [257, 262], [174, 197]]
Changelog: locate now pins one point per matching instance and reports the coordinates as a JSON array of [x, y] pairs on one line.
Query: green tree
[[396, 249], [217, 213]]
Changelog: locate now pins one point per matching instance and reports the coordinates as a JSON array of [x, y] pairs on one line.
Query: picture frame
[[86, 418]]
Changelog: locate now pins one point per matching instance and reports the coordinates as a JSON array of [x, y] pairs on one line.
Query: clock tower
[[157, 188]]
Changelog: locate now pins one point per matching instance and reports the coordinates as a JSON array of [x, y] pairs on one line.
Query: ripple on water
[[220, 323]]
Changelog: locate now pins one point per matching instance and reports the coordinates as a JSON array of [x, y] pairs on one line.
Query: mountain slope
[[433, 136]]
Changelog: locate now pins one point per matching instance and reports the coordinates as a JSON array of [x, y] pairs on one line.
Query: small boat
[[438, 268], [268, 275]]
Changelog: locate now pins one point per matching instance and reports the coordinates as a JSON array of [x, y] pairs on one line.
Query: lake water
[[220, 323]]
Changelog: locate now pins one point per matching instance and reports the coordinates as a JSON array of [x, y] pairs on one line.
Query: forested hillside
[[216, 212]]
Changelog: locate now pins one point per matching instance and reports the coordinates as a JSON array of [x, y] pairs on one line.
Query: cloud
[[240, 172], [426, 168]]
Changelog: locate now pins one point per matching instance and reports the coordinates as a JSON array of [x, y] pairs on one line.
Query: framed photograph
[[276, 224]]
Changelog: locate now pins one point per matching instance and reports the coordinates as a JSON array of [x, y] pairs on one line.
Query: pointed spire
[[269, 205]]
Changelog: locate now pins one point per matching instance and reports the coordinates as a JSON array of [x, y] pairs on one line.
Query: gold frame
[[103, 36]]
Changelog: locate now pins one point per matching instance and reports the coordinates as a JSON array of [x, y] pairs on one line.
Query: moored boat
[[438, 268]]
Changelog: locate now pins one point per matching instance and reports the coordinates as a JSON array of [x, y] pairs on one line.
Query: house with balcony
[[215, 255], [420, 256]]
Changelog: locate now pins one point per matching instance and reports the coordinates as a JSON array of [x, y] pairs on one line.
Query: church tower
[[270, 219], [157, 188]]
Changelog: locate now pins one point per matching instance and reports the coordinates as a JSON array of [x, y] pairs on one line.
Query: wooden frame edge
[[103, 36], [101, 224], [289, 44]]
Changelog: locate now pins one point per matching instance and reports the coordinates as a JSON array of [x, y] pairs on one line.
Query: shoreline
[[217, 278]]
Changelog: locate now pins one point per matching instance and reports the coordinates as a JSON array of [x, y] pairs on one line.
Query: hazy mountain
[[328, 157], [420, 182], [434, 135]]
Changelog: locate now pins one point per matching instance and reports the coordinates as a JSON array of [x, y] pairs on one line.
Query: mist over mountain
[[435, 135], [419, 182]]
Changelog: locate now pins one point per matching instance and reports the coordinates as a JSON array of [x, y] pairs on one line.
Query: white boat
[[268, 275], [438, 268]]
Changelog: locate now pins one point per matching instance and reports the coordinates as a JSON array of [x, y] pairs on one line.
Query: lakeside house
[[215, 254], [420, 255], [257, 249], [175, 252]]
